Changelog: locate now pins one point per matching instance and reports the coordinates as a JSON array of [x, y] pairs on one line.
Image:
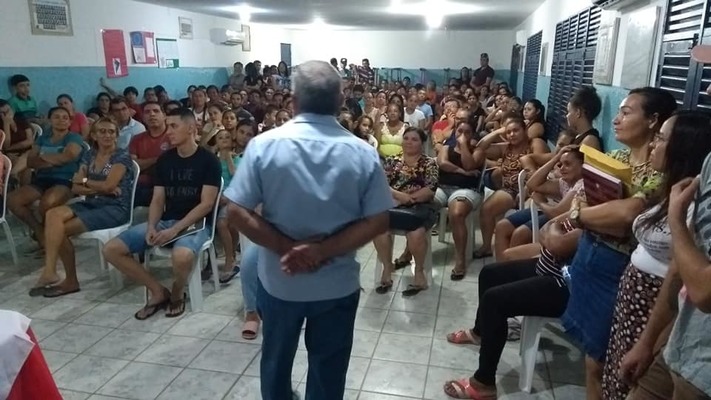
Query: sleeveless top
[[578, 139], [454, 179], [391, 143]]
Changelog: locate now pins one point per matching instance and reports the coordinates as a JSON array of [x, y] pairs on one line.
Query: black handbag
[[408, 218]]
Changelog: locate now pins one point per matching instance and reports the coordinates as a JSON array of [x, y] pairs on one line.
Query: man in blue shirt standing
[[323, 195]]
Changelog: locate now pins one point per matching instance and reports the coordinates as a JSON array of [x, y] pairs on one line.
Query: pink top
[[78, 121]]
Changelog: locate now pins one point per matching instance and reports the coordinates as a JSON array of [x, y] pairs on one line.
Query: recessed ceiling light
[[434, 20]]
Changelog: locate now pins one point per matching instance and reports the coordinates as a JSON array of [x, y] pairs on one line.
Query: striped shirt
[[549, 265]]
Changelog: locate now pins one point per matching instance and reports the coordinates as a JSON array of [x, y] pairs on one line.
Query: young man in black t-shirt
[[187, 182]]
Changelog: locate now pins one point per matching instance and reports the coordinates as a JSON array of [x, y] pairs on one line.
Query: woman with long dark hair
[[678, 152]]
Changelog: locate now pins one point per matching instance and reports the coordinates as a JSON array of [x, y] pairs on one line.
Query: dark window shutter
[[573, 63], [530, 72]]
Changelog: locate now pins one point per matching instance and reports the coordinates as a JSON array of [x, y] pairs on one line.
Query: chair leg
[[11, 241], [471, 236], [213, 262], [146, 265], [443, 215], [195, 284], [530, 337]]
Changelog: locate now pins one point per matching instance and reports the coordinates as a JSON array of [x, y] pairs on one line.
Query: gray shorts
[[447, 194]]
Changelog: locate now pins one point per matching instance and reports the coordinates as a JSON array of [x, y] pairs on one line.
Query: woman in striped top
[[510, 289]]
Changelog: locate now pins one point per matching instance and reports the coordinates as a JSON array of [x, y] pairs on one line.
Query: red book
[[601, 187]]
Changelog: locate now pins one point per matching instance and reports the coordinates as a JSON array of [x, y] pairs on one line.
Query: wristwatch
[[84, 181]]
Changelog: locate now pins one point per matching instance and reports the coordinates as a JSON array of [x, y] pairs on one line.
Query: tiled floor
[[98, 351]]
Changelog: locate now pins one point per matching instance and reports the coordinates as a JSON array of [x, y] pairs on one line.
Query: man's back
[[315, 179]]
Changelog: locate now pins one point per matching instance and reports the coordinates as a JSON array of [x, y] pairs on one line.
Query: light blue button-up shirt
[[128, 132], [313, 178]]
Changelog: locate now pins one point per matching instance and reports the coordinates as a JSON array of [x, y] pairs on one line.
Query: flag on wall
[[114, 53]]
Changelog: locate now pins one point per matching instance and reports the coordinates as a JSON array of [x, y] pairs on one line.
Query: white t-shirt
[[414, 118], [653, 254]]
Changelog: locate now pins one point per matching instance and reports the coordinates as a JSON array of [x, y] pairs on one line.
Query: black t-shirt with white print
[[183, 179]]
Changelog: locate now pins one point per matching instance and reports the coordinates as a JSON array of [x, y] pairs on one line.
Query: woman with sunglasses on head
[[105, 179]]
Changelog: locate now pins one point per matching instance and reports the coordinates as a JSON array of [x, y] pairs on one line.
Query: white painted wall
[[21, 48], [551, 12], [410, 49]]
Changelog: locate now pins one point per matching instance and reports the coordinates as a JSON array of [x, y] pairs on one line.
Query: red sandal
[[462, 389], [463, 336]]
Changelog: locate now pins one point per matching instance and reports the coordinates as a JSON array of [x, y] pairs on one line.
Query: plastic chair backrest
[[5, 182], [535, 228], [2, 138], [216, 210], [136, 173], [480, 188], [522, 189], [36, 129]]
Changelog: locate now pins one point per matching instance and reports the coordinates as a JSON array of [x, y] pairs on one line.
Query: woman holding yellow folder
[[605, 247]]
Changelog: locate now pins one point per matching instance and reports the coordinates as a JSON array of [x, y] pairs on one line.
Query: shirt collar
[[316, 118]]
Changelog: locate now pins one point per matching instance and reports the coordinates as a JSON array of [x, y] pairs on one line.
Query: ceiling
[[369, 14]]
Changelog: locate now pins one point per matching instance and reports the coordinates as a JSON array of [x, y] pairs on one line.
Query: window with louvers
[[686, 24], [573, 64], [530, 71]]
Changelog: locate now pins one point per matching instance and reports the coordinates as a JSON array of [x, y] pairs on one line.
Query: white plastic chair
[[531, 327], [36, 130], [194, 280], [102, 236], [3, 217], [428, 270], [522, 189]]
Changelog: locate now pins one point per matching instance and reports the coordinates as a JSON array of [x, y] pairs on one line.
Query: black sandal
[[457, 275], [413, 290], [480, 254], [150, 310], [384, 288], [56, 291], [178, 305], [400, 264]]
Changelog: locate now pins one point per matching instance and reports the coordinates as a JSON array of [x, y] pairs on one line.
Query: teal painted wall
[[611, 97], [438, 75], [82, 83]]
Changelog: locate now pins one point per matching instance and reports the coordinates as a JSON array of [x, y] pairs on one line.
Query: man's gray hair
[[317, 87]]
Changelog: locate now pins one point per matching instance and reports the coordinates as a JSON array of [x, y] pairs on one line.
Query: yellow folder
[[607, 164]]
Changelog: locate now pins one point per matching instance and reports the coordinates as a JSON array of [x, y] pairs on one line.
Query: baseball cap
[[484, 55], [701, 53]]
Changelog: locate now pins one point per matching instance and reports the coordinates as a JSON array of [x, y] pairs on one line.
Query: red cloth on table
[[34, 382]]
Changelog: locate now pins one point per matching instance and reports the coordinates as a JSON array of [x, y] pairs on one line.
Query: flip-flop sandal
[[178, 305], [457, 275], [56, 291], [400, 264], [514, 333], [39, 291], [413, 290], [463, 336], [464, 390], [250, 330], [150, 310], [231, 275], [478, 255], [384, 288]]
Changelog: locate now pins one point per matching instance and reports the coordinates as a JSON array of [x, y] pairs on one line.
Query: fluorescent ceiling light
[[434, 20], [442, 7], [243, 8], [319, 23]]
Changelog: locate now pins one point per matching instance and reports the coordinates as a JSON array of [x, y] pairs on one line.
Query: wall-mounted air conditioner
[[620, 5], [227, 37]]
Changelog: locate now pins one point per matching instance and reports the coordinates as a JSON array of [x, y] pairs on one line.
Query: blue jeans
[[329, 339], [249, 276]]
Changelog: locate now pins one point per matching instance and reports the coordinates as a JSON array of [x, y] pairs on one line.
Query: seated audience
[[364, 130], [199, 108], [605, 246], [168, 107], [213, 126], [79, 124], [413, 181], [282, 117], [128, 127], [459, 177], [19, 137], [509, 156], [102, 108], [553, 197], [583, 108], [413, 116], [105, 179], [21, 102], [678, 152], [146, 147], [55, 158], [187, 182]]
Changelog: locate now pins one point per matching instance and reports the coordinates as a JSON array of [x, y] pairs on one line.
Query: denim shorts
[[523, 217], [95, 215], [595, 274], [135, 238], [447, 194]]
